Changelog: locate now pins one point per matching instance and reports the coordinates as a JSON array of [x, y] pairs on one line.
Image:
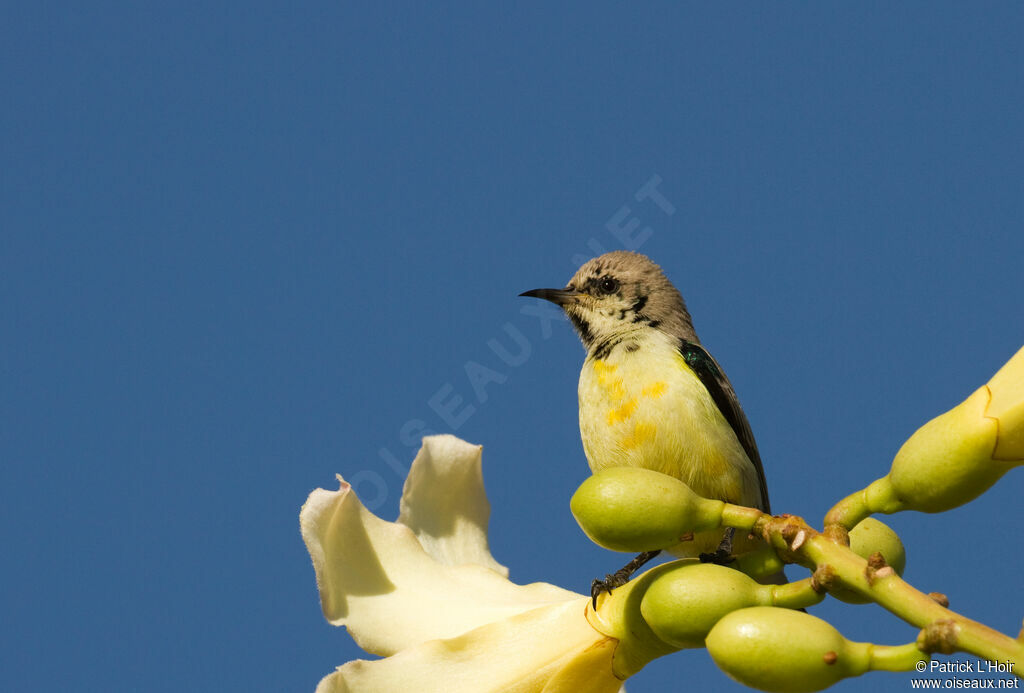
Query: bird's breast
[[647, 408]]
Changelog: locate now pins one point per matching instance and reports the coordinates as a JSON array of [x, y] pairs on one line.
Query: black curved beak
[[561, 297]]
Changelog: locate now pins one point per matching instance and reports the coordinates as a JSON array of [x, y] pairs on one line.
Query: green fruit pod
[[631, 509], [786, 651], [683, 604], [871, 536]]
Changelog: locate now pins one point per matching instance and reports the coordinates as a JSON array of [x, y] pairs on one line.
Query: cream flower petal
[[377, 580], [551, 649], [444, 503], [1007, 407]]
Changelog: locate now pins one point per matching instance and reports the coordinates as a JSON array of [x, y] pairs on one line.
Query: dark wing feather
[[710, 373]]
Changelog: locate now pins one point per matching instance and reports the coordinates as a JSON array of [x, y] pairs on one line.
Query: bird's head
[[619, 293]]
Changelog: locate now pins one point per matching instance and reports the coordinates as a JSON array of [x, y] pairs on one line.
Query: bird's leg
[[621, 576], [723, 555]]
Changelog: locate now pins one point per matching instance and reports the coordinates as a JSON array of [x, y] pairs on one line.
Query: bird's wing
[[713, 378]]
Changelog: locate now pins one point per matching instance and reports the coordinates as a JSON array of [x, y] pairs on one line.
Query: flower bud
[[631, 509], [957, 456], [948, 461], [868, 537], [759, 564], [685, 602], [1007, 408], [792, 652]]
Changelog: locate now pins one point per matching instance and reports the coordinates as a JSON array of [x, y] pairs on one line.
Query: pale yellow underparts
[[647, 408]]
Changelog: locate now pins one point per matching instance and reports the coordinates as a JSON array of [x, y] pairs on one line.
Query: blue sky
[[244, 248]]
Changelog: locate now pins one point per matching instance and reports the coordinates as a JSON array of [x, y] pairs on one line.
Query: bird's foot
[[620, 577], [610, 582], [719, 557], [723, 554]]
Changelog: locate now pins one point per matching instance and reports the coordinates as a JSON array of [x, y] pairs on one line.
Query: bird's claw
[[610, 582], [719, 557]]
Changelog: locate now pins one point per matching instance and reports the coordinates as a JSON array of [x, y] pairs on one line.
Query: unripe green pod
[[948, 461], [868, 537], [1007, 408], [957, 456], [759, 564], [788, 651], [685, 602], [631, 509]]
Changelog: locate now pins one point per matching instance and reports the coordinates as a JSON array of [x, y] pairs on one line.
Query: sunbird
[[651, 396]]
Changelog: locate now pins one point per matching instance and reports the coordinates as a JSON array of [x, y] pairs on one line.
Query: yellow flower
[[952, 459], [425, 593], [1006, 407]]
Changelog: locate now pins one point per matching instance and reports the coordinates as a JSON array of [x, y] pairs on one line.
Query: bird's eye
[[608, 285]]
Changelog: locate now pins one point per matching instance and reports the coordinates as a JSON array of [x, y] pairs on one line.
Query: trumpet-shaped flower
[[958, 455], [1006, 407], [425, 593], [952, 459]]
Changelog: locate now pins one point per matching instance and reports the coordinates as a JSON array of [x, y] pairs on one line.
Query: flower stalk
[[879, 583]]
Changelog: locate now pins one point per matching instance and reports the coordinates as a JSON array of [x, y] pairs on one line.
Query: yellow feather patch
[[611, 384], [715, 469], [655, 390], [642, 432], [622, 413]]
